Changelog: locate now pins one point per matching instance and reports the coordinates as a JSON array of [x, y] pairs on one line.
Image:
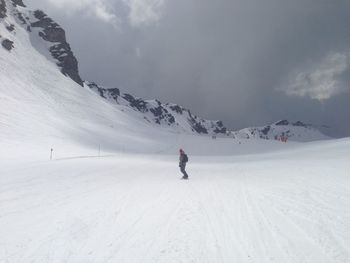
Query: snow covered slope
[[42, 108], [172, 115], [282, 130], [49, 39], [44, 104], [43, 95], [290, 205]]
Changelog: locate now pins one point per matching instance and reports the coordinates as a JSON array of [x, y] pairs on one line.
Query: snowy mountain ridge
[[53, 45], [25, 32], [167, 114], [282, 130]]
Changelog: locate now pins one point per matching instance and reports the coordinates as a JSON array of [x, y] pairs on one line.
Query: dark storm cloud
[[247, 62]]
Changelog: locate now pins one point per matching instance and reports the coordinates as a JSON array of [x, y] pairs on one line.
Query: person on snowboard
[[182, 164]]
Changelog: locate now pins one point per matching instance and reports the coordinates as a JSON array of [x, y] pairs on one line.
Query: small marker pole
[[51, 154], [99, 150]]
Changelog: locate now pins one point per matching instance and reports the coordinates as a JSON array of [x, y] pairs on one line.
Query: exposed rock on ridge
[[60, 50], [282, 130], [18, 3], [160, 113], [7, 44], [38, 24], [3, 9]]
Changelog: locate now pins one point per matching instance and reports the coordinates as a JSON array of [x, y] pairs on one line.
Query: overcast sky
[[246, 62]]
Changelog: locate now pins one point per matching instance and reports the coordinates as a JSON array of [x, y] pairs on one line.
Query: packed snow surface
[[287, 203]]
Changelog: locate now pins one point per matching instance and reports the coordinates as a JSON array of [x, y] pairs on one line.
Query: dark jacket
[[182, 161]]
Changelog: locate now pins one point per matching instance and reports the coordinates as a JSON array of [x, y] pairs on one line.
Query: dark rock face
[[282, 123], [18, 3], [61, 50], [21, 18], [159, 113], [136, 103], [67, 61], [2, 9], [10, 28], [220, 128], [7, 44], [105, 93], [297, 123], [52, 31], [300, 124], [266, 130], [176, 108], [198, 127]]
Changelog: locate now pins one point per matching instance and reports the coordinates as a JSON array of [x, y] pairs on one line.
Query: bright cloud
[[144, 12], [97, 8], [102, 12], [140, 12], [321, 81]]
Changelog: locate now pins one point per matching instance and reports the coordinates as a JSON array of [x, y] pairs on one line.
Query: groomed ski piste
[[112, 191], [284, 203]]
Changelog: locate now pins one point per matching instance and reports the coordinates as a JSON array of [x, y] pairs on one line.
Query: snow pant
[[182, 169]]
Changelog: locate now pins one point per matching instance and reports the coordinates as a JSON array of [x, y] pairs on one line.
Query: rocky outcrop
[[283, 130], [49, 31], [171, 115], [105, 93], [18, 3], [60, 49], [161, 114], [288, 123], [197, 124], [7, 44], [21, 18], [10, 28], [136, 103], [3, 9], [219, 127]]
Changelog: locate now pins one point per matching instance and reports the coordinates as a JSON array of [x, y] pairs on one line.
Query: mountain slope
[[282, 130], [44, 102], [40, 107], [49, 39], [172, 115]]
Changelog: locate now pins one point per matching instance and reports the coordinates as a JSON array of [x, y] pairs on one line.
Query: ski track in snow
[[135, 209]]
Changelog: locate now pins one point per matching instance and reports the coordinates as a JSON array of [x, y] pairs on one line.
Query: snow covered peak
[[49, 39], [288, 123], [166, 115], [36, 53], [52, 36], [18, 3], [282, 130]]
